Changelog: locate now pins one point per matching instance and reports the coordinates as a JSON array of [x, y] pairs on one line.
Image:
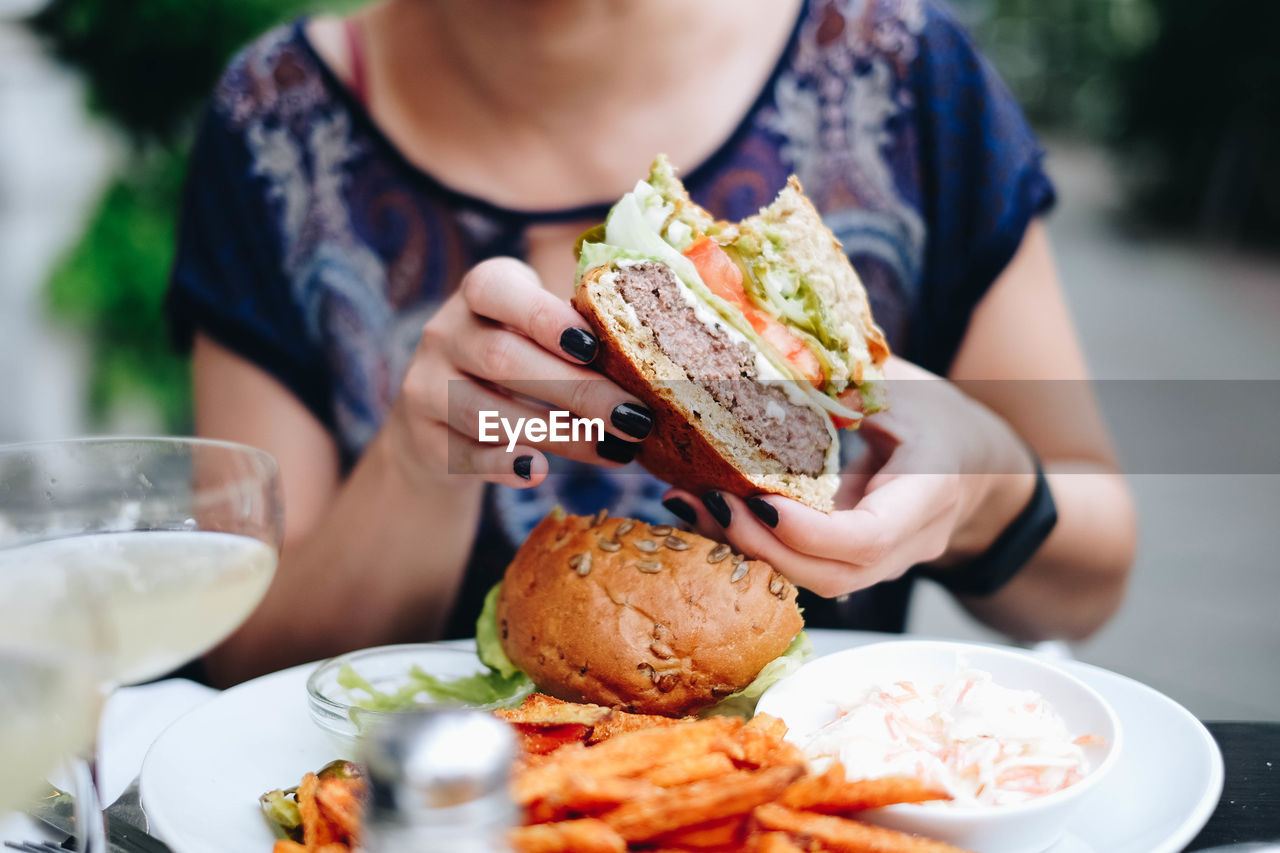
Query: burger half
[[752, 342], [645, 618]]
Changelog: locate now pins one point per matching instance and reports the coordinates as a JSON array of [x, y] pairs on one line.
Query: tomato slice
[[791, 346], [718, 271], [724, 278], [850, 398]]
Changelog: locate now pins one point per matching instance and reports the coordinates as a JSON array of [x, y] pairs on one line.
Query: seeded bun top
[[641, 617]]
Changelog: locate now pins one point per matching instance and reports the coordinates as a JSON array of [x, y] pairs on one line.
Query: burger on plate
[[752, 342], [641, 617]]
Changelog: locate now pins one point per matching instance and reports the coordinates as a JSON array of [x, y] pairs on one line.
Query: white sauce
[[983, 743]]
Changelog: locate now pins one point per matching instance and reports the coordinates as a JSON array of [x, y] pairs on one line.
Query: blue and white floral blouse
[[312, 247]]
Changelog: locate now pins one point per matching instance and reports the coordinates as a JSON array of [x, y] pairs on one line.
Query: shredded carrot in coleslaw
[[983, 743]]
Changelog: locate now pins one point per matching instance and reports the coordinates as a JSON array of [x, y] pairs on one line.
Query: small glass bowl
[[333, 707]]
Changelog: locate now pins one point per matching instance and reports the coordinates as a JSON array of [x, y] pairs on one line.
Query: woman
[[381, 212]]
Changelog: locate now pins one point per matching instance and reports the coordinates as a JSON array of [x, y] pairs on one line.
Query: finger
[[886, 524], [508, 291], [472, 408], [520, 365], [523, 468], [486, 416], [899, 368], [880, 434], [459, 456], [824, 576], [687, 507]]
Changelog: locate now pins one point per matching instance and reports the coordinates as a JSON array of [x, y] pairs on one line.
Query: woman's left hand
[[940, 478]]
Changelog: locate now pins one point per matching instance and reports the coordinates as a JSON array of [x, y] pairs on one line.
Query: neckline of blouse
[[591, 211]]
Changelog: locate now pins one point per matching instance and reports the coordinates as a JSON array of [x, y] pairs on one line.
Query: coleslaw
[[985, 744]]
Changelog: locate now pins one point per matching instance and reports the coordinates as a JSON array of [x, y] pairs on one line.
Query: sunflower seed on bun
[[661, 624]]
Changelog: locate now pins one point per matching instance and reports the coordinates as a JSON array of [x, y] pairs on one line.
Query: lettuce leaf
[[743, 703], [484, 689], [502, 684], [595, 255], [488, 642]]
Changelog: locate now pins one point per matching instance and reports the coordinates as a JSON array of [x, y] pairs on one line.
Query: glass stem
[[89, 819]]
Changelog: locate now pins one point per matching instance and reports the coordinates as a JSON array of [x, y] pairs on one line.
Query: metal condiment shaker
[[439, 782]]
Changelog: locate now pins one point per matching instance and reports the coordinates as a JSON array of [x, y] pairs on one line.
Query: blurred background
[[1162, 120]]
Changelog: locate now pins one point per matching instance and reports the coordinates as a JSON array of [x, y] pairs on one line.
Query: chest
[[549, 250]]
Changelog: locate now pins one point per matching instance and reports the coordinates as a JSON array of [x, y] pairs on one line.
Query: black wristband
[[991, 570]]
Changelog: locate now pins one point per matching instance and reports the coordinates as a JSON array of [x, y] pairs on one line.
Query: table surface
[[1250, 806]]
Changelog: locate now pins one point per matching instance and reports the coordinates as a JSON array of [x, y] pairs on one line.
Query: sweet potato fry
[[691, 769], [316, 829], [763, 744], [770, 726], [586, 793], [774, 842], [340, 804], [831, 793], [729, 832], [284, 845], [539, 709], [570, 836], [845, 836], [699, 802], [622, 722], [540, 740], [629, 754]]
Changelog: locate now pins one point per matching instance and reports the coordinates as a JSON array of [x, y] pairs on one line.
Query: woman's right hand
[[500, 343]]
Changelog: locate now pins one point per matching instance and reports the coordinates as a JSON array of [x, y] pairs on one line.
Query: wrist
[[989, 571], [1003, 484]]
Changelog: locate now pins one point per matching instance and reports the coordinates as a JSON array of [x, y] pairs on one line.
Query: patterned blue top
[[312, 247]]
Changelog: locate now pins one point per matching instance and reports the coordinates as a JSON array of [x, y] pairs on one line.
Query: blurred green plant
[[112, 286], [148, 66], [1064, 59], [150, 63]]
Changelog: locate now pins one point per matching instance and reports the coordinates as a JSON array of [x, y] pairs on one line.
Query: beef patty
[[794, 435]]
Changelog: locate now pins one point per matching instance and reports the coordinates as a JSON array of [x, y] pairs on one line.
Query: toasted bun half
[[649, 619], [696, 443], [807, 245], [794, 231]]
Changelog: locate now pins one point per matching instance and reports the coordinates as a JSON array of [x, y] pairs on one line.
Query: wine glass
[[174, 540], [49, 679]]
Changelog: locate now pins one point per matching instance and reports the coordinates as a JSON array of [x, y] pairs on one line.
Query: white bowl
[[808, 700]]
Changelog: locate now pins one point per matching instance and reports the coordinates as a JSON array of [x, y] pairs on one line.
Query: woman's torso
[[368, 244]]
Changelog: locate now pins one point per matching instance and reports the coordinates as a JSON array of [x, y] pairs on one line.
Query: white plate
[[202, 777]]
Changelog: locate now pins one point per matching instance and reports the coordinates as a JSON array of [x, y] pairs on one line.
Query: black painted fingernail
[[681, 510], [523, 467], [616, 450], [715, 504], [633, 419], [763, 510], [580, 344]]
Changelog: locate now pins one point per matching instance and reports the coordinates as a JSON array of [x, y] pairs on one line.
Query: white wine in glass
[[48, 705], [164, 596], [173, 540], [50, 676]]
